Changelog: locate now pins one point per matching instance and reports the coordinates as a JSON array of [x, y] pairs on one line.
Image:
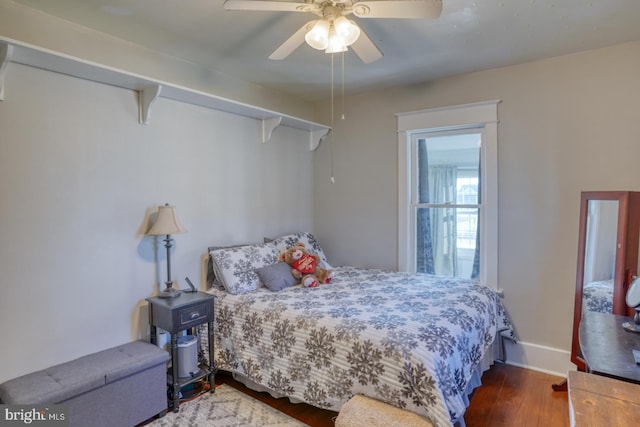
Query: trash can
[[187, 356]]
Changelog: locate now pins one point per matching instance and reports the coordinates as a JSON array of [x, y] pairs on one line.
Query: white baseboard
[[539, 358]]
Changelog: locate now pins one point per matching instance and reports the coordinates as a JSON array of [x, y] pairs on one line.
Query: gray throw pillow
[[276, 276]]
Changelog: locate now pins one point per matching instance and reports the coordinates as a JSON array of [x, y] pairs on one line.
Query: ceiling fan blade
[[366, 49], [269, 5], [418, 9], [292, 43]]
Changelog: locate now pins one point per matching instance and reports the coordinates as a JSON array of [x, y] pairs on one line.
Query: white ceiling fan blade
[[418, 9], [269, 5], [366, 49], [292, 43]]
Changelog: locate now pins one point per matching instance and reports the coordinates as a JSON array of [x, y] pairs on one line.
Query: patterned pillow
[[212, 274], [284, 242], [235, 267]]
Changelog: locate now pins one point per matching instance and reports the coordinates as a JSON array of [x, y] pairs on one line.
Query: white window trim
[[480, 114]]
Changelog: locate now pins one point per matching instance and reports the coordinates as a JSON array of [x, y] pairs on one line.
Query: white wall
[[33, 27], [567, 125], [78, 178]]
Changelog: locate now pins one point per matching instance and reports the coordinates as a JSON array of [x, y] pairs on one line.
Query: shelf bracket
[[6, 51], [316, 137], [268, 125], [146, 97]]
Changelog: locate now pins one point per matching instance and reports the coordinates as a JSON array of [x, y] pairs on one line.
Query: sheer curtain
[[442, 189], [475, 269], [436, 227]]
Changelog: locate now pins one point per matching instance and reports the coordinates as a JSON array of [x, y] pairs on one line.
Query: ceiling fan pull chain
[[332, 126], [342, 117], [332, 113]]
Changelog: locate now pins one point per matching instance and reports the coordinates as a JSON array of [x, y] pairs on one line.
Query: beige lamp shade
[[166, 222]]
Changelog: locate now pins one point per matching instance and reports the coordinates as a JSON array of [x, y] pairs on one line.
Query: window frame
[[482, 116]]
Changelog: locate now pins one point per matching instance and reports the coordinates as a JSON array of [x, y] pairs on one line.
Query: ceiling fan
[[333, 32]]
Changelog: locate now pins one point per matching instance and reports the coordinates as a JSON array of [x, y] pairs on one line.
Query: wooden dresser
[[596, 401], [607, 347]]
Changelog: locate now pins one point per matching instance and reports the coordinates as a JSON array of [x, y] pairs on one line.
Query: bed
[[417, 342], [598, 296]]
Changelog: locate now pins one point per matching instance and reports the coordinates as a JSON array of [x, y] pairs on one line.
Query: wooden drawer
[[191, 316], [182, 312]]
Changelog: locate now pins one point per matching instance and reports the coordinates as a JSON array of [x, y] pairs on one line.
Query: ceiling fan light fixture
[[318, 35], [347, 30], [336, 43]]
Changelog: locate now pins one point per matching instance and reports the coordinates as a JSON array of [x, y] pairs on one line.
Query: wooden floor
[[509, 396]]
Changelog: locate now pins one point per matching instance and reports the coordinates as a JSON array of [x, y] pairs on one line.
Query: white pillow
[[235, 266]]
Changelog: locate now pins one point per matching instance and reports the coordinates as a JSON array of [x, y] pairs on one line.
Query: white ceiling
[[470, 35]]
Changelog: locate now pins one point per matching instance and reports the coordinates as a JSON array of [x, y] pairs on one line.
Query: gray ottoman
[[121, 386]]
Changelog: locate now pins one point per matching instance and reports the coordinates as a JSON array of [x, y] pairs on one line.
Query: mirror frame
[[626, 265]]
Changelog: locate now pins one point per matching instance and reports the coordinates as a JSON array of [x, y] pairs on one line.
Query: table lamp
[[167, 224]]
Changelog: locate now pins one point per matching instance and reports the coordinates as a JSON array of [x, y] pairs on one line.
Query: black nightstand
[[174, 315]]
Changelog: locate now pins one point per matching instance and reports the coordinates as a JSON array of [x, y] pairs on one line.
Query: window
[[445, 205], [448, 192]]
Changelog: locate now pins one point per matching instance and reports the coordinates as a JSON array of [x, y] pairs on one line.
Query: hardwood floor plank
[[555, 407], [528, 404], [525, 398], [485, 398], [507, 410]]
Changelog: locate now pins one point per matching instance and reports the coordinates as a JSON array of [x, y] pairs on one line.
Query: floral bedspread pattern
[[598, 296], [409, 340]]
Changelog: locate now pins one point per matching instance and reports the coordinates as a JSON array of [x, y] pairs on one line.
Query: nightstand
[[175, 315]]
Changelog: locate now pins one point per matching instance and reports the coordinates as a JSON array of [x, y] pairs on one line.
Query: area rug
[[227, 407]]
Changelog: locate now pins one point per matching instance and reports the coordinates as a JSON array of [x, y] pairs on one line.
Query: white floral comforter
[[410, 340], [598, 296]]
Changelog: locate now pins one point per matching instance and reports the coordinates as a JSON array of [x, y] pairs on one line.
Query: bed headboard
[[210, 274]]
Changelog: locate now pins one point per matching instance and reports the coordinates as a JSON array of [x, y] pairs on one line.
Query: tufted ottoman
[[120, 386]]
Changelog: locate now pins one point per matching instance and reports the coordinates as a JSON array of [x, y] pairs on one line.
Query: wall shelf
[[6, 51], [148, 89]]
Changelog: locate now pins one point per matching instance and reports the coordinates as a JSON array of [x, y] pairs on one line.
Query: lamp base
[[631, 327], [169, 292]]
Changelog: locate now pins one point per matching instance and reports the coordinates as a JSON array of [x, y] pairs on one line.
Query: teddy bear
[[305, 266]]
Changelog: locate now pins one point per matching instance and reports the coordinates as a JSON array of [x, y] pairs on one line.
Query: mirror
[[607, 256], [599, 255]]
